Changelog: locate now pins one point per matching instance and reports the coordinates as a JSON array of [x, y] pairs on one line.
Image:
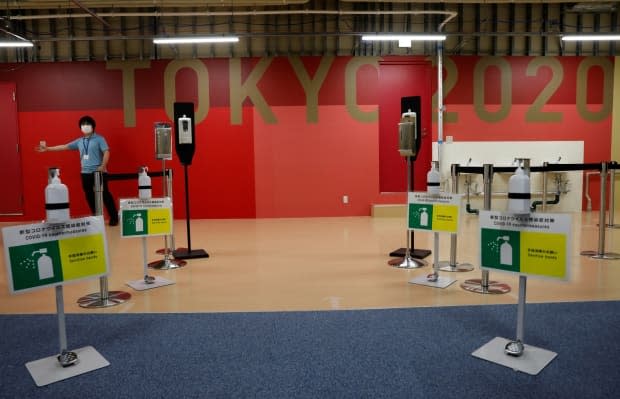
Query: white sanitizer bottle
[[144, 184], [519, 192], [433, 179], [56, 200]]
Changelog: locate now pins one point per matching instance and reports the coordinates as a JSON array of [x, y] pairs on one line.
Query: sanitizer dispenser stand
[[185, 147]]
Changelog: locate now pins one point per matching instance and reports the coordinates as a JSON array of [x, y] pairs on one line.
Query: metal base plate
[[604, 255], [94, 300], [475, 285], [445, 266], [442, 282], [49, 370], [415, 253], [532, 361], [407, 263], [141, 285], [187, 254], [167, 264]]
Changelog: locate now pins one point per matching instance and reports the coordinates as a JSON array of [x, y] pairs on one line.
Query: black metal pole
[[189, 235]]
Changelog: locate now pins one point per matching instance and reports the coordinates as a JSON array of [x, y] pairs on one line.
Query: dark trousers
[[88, 185]]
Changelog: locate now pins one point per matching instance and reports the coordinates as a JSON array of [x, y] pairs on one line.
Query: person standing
[[94, 156]]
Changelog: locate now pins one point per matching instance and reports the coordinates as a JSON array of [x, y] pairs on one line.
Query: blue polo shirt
[[91, 151]]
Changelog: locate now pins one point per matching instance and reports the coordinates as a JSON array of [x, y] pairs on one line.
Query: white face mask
[[87, 129]]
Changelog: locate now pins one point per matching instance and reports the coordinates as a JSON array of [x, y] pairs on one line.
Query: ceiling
[[116, 29]]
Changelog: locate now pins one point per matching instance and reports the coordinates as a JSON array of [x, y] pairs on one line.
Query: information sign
[[146, 217], [434, 212], [44, 254], [536, 244]]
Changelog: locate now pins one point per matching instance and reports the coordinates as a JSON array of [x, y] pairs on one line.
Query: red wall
[[574, 93], [292, 165]]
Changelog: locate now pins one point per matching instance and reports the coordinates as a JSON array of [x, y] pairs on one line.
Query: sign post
[[436, 213], [144, 218], [51, 254], [536, 245]]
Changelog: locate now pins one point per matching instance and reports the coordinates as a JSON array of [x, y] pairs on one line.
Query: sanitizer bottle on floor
[[56, 199], [144, 184]]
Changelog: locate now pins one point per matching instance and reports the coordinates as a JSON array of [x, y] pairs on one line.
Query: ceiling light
[[196, 39], [594, 37], [15, 43], [404, 40]]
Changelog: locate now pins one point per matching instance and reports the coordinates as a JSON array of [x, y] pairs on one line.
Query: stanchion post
[[600, 253], [452, 265], [104, 298], [484, 285], [167, 263], [612, 191]]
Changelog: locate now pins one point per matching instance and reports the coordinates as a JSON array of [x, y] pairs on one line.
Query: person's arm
[[42, 147], [104, 161]]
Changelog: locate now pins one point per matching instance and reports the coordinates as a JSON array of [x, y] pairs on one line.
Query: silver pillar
[[484, 285]]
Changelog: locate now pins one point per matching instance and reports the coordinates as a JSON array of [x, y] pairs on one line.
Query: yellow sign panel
[[543, 254], [446, 218], [159, 220], [82, 256]]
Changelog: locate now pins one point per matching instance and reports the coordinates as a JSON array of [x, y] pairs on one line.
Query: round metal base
[[604, 255], [67, 358], [167, 264], [445, 266], [162, 251], [494, 287], [94, 300], [407, 263]]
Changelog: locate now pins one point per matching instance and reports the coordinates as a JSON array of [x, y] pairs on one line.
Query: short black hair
[[87, 120]]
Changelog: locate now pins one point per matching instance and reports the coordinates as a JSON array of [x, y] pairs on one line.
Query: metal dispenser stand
[[407, 148], [484, 285], [185, 145], [163, 151], [600, 253], [104, 298], [452, 265]]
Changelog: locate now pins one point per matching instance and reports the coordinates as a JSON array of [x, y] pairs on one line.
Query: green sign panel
[[439, 213], [146, 217], [40, 255], [536, 244]]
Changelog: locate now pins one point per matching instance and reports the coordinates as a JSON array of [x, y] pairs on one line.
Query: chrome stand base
[[445, 266], [162, 251], [407, 263], [475, 285], [94, 300], [604, 255], [167, 264]]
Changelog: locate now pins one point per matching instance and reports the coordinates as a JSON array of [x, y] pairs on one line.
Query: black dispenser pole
[[185, 146]]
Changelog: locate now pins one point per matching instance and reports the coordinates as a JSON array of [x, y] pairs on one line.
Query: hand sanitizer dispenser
[[407, 133], [144, 183], [56, 199], [519, 194]]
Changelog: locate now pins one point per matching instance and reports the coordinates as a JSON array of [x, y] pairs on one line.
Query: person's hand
[[101, 169], [42, 147]]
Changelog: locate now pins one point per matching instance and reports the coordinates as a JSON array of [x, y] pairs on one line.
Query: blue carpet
[[393, 353]]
